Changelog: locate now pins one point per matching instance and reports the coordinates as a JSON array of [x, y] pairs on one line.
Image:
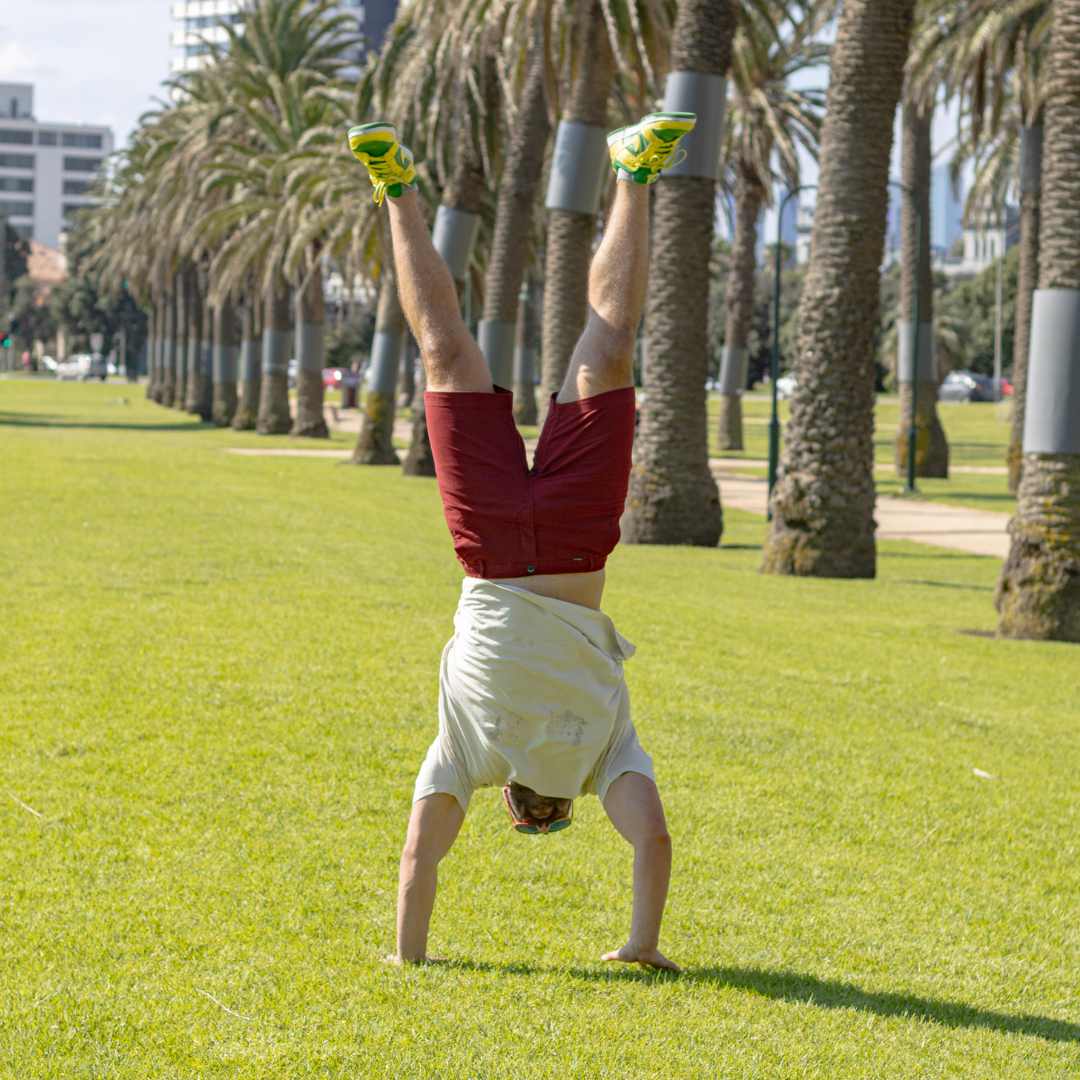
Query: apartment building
[[47, 170]]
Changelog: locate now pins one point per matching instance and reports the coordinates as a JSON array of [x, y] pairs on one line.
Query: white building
[[197, 23], [946, 210], [987, 236], [46, 169], [804, 233]]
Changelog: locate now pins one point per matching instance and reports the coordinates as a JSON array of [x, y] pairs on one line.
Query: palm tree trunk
[[375, 443], [510, 246], [204, 402], [419, 460], [409, 355], [931, 446], [311, 356], [1031, 139], [159, 350], [526, 352], [673, 497], [151, 352], [247, 411], [167, 384], [180, 352], [571, 230], [274, 418], [739, 301], [823, 505], [226, 353], [1038, 595], [196, 312]]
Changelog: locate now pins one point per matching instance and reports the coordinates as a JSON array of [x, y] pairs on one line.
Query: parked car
[[68, 369], [49, 364], [90, 366], [966, 386], [337, 378]]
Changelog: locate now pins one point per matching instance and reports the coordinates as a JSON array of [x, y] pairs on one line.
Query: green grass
[[978, 434], [219, 678]]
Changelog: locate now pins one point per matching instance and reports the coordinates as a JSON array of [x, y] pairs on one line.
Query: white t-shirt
[[531, 689]]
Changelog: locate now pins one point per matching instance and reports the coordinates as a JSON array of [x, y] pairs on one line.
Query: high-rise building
[[946, 211], [46, 170], [197, 23]]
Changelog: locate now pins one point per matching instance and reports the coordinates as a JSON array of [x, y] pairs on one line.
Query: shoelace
[[379, 167], [658, 157]]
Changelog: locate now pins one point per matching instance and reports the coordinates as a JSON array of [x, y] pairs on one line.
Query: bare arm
[[433, 826], [633, 805]]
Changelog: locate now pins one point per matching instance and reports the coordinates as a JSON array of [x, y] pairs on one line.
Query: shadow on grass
[[10, 419], [981, 496], [810, 990], [944, 585], [936, 556]]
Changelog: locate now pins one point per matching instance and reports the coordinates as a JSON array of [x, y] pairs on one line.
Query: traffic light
[[6, 343]]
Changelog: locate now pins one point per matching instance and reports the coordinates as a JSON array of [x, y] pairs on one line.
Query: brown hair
[[537, 808]]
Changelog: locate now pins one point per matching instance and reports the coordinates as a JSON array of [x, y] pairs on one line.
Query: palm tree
[[526, 351], [250, 367], [374, 444], [673, 498], [510, 249], [280, 62], [766, 117], [571, 231], [916, 275], [823, 505], [992, 57], [199, 399], [227, 330], [1038, 595], [183, 337]]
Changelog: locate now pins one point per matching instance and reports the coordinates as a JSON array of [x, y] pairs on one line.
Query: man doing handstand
[[532, 696]]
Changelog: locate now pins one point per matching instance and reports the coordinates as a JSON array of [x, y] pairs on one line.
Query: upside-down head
[[533, 813]]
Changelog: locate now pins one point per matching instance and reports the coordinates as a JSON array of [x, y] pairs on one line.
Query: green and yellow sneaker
[[643, 150], [389, 164]]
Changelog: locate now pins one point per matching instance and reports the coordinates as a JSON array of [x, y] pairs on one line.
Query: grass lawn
[[219, 678]]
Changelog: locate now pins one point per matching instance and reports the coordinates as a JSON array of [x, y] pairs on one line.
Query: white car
[[69, 369]]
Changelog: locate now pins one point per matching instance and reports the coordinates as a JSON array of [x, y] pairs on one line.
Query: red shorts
[[562, 515]]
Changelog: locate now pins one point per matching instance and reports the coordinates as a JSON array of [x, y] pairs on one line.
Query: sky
[[91, 61]]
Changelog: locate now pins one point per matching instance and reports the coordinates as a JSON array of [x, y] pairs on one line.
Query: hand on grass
[[396, 961], [634, 954]]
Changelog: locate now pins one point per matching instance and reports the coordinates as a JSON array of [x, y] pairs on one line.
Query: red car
[[337, 378]]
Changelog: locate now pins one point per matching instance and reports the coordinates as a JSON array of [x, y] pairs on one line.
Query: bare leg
[[604, 355], [452, 359]]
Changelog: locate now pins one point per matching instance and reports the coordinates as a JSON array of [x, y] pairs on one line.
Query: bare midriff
[[585, 589]]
